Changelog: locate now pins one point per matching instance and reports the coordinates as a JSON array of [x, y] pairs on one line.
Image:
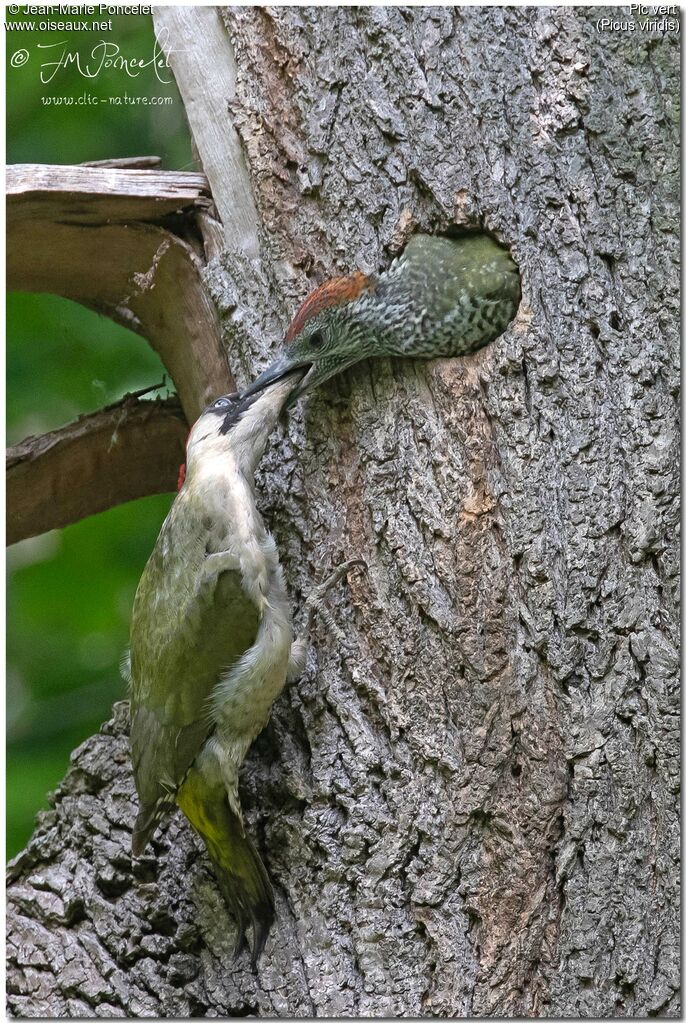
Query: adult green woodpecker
[[441, 298], [211, 647]]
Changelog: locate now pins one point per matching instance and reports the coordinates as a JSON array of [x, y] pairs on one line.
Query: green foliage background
[[69, 593]]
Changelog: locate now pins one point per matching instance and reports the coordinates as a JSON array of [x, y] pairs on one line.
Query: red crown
[[334, 292]]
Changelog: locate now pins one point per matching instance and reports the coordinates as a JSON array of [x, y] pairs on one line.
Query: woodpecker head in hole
[[442, 297], [335, 327]]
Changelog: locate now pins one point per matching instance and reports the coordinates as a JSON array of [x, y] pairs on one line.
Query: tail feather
[[149, 816], [241, 875]]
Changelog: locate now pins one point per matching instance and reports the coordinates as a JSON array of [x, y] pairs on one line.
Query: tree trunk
[[471, 806]]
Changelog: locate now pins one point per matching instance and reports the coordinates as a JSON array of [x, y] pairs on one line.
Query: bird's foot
[[314, 606]]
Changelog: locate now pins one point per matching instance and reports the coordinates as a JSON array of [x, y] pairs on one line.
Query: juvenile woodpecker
[[211, 647], [441, 298]]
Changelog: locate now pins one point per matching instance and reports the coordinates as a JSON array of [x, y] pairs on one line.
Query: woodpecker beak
[[281, 367]]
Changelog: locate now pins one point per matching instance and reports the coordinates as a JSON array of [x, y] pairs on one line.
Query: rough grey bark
[[472, 807]]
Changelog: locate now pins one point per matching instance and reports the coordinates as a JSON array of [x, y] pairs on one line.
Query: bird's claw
[[314, 603], [317, 593]]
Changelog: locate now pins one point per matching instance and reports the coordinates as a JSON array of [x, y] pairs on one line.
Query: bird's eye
[[221, 403], [317, 339]]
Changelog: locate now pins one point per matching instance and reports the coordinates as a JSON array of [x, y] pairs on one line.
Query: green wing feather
[[184, 634]]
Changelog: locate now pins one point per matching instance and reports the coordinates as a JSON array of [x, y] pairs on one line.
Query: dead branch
[[128, 450], [101, 237]]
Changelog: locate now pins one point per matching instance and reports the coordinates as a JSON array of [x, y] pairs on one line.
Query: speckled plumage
[[451, 296], [442, 297]]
